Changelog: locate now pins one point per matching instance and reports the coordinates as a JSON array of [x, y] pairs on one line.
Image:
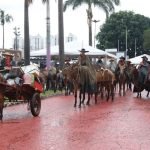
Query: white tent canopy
[[72, 48], [138, 59]]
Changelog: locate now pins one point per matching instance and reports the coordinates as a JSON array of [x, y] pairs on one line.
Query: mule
[[138, 86], [49, 78], [121, 79], [73, 73], [105, 82]]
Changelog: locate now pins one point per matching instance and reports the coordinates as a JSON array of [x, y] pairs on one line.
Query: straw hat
[[7, 54], [111, 59], [83, 50]]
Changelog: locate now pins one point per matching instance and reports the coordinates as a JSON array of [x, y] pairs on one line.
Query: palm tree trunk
[[26, 34], [48, 40], [61, 33], [90, 32], [3, 38], [90, 16]]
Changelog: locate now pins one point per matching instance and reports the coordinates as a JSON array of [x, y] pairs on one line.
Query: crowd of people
[[114, 66], [8, 60]]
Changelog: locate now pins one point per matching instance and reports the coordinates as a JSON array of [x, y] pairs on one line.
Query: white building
[[36, 42], [18, 43]]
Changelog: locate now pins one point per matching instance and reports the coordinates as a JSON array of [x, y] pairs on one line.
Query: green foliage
[[114, 32], [5, 18], [147, 39], [50, 93]]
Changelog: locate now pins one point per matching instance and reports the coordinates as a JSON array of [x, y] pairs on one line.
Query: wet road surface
[[120, 125]]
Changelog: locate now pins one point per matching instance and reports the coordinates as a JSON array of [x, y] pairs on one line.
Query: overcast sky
[[74, 21]]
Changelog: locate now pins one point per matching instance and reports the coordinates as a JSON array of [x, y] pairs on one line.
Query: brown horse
[[2, 81], [49, 78], [74, 72], [105, 82], [121, 79]]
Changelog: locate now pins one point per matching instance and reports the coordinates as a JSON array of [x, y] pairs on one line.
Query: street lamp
[[95, 21], [126, 42], [17, 33]]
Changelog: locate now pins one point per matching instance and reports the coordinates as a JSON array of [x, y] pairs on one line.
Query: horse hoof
[[79, 106], [74, 105], [87, 103]]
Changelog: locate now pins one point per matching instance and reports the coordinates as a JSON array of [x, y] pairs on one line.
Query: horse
[[68, 85], [105, 81], [49, 78], [138, 86], [2, 89], [80, 79], [121, 79], [59, 80]]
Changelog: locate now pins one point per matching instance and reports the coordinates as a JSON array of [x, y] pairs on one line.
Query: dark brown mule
[[49, 78], [2, 81], [121, 79], [138, 86], [73, 72]]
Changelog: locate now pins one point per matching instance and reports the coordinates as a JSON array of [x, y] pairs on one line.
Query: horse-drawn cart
[[21, 90]]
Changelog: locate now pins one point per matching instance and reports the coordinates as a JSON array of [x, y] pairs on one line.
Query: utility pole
[[95, 21], [48, 40], [126, 42], [135, 47], [118, 45], [17, 34]]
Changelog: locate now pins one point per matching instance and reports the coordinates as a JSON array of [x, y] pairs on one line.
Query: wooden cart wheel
[[35, 104]]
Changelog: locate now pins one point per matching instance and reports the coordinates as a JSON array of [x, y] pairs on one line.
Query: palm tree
[[4, 18], [61, 33], [48, 41], [26, 32], [106, 5]]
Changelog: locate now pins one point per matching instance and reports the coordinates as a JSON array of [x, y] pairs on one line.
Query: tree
[[61, 33], [147, 39], [113, 32], [26, 32], [4, 18], [48, 41], [106, 5]]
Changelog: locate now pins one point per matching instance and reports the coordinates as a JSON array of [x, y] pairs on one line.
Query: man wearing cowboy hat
[[83, 59], [121, 65], [112, 65], [67, 62], [86, 65], [143, 69]]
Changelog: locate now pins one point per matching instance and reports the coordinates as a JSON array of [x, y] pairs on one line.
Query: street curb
[[8, 104]]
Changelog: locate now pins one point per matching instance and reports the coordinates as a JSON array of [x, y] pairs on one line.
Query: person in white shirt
[[112, 65]]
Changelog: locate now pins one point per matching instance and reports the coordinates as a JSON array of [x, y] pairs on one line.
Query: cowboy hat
[[144, 57], [111, 59], [83, 50], [122, 57], [67, 59]]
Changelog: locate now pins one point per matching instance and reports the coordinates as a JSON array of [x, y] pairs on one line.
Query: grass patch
[[51, 93]]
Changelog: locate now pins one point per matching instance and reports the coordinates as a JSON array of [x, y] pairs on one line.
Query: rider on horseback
[[112, 65], [121, 65], [143, 69], [86, 65], [83, 59]]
